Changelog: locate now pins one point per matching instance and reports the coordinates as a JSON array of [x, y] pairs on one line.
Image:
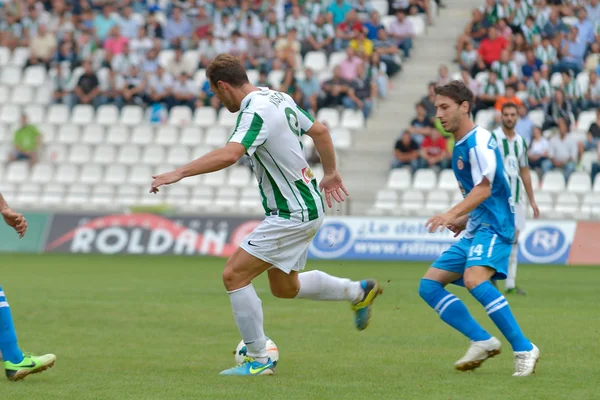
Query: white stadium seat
[[22, 95], [537, 117], [587, 159], [425, 179], [386, 200], [83, 114], [29, 195], [102, 195], [127, 195], [216, 136], [53, 195], [93, 134], [58, 114], [342, 139], [596, 187], [553, 182], [202, 197], [484, 118], [143, 134], [586, 118], [165, 56], [215, 179], [590, 201], [238, 177], [387, 20], [4, 94], [140, 175], [43, 95], [227, 119], [68, 134], [399, 179], [91, 174], [108, 114], [535, 179], [78, 195], [226, 198], [35, 75], [199, 151], [579, 183], [42, 173], [274, 78], [353, 119], [178, 155], [10, 76], [437, 202], [35, 113], [166, 135], [567, 204], [177, 195], [200, 77], [412, 200], [4, 56], [117, 134], [544, 202], [17, 172], [154, 155], [556, 80], [20, 56], [104, 154], [192, 181], [116, 174], [583, 80], [131, 115], [180, 115], [129, 155], [80, 154], [191, 136], [336, 59], [205, 116], [418, 24], [10, 114], [56, 152], [66, 173], [381, 6], [329, 116], [447, 181], [315, 60]]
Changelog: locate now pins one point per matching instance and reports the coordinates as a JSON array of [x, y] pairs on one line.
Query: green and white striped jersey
[[505, 70], [540, 90], [514, 155], [270, 126], [572, 90]]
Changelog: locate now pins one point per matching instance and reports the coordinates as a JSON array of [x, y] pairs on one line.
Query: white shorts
[[520, 217], [282, 242]]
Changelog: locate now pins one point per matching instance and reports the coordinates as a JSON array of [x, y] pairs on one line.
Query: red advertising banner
[[586, 245]]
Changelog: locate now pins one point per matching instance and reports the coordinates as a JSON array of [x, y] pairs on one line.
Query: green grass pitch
[[141, 328]]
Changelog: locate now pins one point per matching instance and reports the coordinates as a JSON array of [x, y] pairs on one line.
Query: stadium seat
[[116, 174], [80, 154], [583, 80], [399, 179], [202, 197], [596, 187], [329, 116], [590, 201], [140, 175], [274, 78], [205, 117], [200, 77], [447, 181], [102, 195], [586, 118], [132, 115], [20, 56], [104, 154], [215, 179], [482, 77], [108, 114], [166, 135], [226, 118], [93, 134], [191, 136], [556, 80], [154, 155], [216, 136], [535, 180], [29, 195], [91, 174], [412, 201], [418, 24], [315, 60], [10, 114], [78, 195], [381, 6], [10, 76], [587, 159], [35, 75], [127, 195], [226, 198], [253, 76], [437, 202], [336, 59], [68, 134], [544, 202], [83, 114], [117, 135], [66, 173], [22, 95], [165, 56], [178, 155], [180, 115], [387, 20], [177, 195], [553, 182], [35, 113], [55, 152], [199, 151], [567, 204], [485, 118], [579, 183], [238, 176], [48, 131], [425, 179], [142, 135], [43, 95], [342, 139], [129, 155], [53, 195], [17, 172], [4, 56], [4, 94], [42, 173], [386, 200], [193, 181], [58, 114], [353, 119]]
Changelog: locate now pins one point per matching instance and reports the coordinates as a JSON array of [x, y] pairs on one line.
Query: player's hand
[[458, 225], [15, 220], [333, 186], [536, 210], [165, 179], [440, 221]]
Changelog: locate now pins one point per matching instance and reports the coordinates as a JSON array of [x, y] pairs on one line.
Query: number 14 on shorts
[[475, 252]]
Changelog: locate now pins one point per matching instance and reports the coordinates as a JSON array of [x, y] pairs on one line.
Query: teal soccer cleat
[[362, 309], [250, 367]]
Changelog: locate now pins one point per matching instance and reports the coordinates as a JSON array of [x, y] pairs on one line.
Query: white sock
[[512, 267], [317, 285], [248, 314]]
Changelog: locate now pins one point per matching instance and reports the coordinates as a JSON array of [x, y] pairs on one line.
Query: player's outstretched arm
[[526, 178], [214, 161], [331, 183], [12, 218]]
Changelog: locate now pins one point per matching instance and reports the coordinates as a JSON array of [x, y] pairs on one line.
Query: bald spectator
[[42, 47]]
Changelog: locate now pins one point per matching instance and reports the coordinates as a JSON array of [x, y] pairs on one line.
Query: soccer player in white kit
[[268, 129], [513, 149]]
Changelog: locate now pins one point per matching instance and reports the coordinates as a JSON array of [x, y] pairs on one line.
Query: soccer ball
[[272, 351]]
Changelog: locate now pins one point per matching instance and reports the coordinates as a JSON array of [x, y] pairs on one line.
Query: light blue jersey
[[476, 156]]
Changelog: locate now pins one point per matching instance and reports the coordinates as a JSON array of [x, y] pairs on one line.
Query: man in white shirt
[[402, 30], [564, 151], [159, 87], [128, 24], [299, 22], [184, 91], [225, 28]]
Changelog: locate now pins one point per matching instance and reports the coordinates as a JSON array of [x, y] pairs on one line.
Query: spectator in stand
[[87, 90], [373, 26], [389, 52], [506, 69], [402, 31], [489, 93], [558, 109], [492, 11], [225, 28], [128, 24], [238, 46], [429, 101], [60, 84], [320, 36], [555, 26], [503, 29], [103, 23], [178, 30], [274, 29], [121, 62], [141, 44], [289, 85], [260, 54], [287, 49], [572, 92], [206, 97], [335, 89], [530, 31], [111, 89], [376, 70], [250, 28], [593, 134], [434, 150], [474, 32], [491, 47], [11, 31], [310, 87], [539, 150], [150, 64], [154, 28], [443, 76], [592, 95], [421, 125], [26, 143], [363, 9], [299, 22], [346, 31], [564, 152], [42, 47], [65, 55], [339, 9], [593, 10], [349, 67], [573, 50], [362, 92], [508, 97], [406, 152], [524, 124], [471, 83], [263, 80], [115, 42], [468, 57], [159, 87], [538, 91], [134, 86], [184, 91], [208, 50], [585, 27], [361, 44], [596, 168], [546, 53]]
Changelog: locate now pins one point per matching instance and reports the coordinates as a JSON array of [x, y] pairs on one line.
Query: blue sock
[[451, 310], [499, 311], [8, 336]]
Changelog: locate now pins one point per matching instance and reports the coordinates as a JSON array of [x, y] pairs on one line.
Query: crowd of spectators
[[539, 54], [103, 51]]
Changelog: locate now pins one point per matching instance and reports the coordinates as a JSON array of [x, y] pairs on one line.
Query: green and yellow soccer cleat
[[362, 309], [30, 365]]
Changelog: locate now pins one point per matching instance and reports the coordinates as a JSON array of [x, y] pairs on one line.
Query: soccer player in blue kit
[[486, 214]]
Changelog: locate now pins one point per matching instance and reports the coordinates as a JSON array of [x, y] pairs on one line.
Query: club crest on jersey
[[492, 144], [460, 164], [307, 174]]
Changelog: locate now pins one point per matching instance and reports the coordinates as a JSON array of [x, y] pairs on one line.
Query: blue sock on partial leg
[[499, 311], [451, 310], [8, 336]]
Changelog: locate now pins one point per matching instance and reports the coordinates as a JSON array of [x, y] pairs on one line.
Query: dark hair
[[509, 105], [457, 91], [226, 68]]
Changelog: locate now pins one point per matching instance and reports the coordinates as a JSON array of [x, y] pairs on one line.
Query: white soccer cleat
[[525, 361], [477, 353]]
